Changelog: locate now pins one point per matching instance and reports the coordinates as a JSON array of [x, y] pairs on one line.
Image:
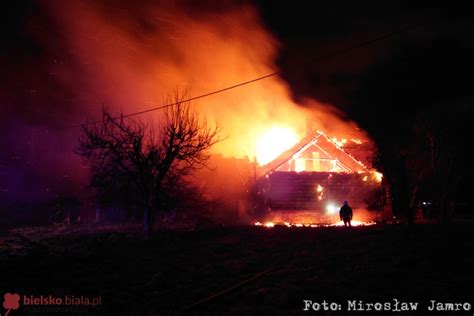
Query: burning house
[[309, 182]]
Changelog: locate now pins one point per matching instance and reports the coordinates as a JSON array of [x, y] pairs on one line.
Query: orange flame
[[273, 142], [131, 66], [287, 224]]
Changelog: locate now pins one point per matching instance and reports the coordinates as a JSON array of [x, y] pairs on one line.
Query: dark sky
[[310, 30]]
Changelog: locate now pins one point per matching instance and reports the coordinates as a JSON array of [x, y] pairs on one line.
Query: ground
[[241, 269]]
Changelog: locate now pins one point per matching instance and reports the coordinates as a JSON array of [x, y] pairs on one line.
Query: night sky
[[306, 32]]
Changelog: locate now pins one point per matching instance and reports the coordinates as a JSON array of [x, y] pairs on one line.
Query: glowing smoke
[[129, 57]]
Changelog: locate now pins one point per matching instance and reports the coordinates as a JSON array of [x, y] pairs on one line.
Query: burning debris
[[305, 185], [128, 58], [312, 225]]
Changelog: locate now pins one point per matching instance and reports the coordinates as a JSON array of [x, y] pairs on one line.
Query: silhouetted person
[[346, 214]]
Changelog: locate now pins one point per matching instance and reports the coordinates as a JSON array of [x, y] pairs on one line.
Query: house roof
[[325, 146]]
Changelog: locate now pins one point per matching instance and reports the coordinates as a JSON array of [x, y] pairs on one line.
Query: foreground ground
[[242, 270]]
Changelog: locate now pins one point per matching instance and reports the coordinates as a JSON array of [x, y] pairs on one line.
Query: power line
[[186, 100], [205, 95], [324, 57]]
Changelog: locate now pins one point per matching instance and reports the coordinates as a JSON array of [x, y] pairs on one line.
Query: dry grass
[[173, 270]]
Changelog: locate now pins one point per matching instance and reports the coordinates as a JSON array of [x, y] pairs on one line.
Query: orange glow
[[300, 164], [319, 190], [377, 176], [362, 217], [288, 224], [131, 70], [274, 142], [355, 223], [338, 142]]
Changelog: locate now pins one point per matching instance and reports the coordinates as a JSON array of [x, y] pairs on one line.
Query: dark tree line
[[418, 107]]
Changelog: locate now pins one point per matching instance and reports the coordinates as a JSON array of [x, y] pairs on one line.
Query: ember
[[313, 225], [354, 223]]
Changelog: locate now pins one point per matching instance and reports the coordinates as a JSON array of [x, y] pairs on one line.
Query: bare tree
[[149, 163]]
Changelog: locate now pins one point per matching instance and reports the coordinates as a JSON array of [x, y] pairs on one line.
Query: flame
[[319, 188], [274, 142], [355, 223], [377, 176], [266, 224], [362, 217], [131, 66], [288, 224], [339, 143]]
